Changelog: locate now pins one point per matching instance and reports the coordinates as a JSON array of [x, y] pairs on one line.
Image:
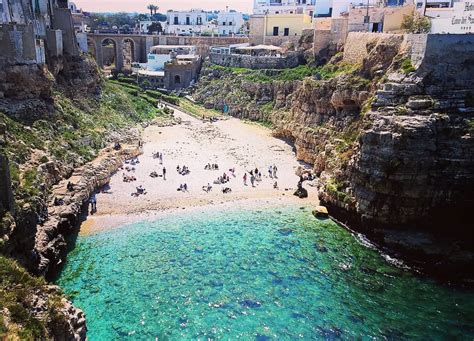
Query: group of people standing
[[256, 175]]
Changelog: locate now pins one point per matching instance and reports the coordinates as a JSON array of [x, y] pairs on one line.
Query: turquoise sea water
[[253, 275]]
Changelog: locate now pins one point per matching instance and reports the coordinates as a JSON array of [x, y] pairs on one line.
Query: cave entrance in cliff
[[109, 54], [128, 53]]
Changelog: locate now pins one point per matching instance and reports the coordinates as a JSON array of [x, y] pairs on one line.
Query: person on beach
[[245, 179], [275, 171], [252, 180], [185, 187], [70, 186], [275, 185], [164, 173], [270, 172], [93, 202]]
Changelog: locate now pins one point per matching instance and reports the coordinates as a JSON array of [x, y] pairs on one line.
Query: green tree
[[153, 9], [155, 27], [416, 23], [150, 8]]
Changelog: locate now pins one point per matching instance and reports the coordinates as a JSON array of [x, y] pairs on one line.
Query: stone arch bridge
[[139, 45]]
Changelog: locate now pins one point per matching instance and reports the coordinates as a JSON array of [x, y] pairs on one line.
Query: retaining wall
[[256, 62]]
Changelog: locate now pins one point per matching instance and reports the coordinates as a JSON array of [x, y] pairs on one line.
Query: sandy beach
[[230, 143]]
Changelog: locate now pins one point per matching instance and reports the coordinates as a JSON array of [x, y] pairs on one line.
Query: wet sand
[[231, 143]]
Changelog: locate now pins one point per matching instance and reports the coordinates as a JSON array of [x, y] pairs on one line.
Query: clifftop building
[[284, 7], [275, 29], [188, 23], [229, 22], [31, 31], [170, 67]]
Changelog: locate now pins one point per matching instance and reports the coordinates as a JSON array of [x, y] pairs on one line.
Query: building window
[[286, 31], [199, 20], [275, 30], [188, 21], [175, 20], [223, 23], [223, 32], [177, 79], [230, 23]]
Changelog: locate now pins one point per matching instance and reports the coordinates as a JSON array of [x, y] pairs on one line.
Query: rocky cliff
[[54, 120], [30, 309], [391, 142]]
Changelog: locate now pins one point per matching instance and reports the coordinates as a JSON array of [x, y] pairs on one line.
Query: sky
[[140, 5]]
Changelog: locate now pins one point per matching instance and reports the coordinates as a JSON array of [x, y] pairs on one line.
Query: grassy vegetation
[[335, 188], [298, 73], [407, 66], [197, 110], [367, 106], [16, 290], [163, 97]]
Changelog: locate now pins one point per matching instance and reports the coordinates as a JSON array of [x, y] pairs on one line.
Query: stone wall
[[54, 43], [257, 29], [257, 62], [327, 42], [448, 59], [62, 20], [17, 44], [180, 75], [355, 49]]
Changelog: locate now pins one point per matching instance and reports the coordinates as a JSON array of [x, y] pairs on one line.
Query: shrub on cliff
[[416, 23]]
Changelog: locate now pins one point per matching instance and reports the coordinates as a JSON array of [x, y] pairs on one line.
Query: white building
[[229, 22], [284, 7], [334, 8], [189, 22], [458, 19], [161, 54]]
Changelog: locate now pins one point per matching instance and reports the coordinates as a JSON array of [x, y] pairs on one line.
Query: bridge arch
[[109, 54], [129, 52]]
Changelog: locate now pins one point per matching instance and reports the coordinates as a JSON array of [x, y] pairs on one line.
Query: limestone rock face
[[71, 325], [26, 90], [50, 244]]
